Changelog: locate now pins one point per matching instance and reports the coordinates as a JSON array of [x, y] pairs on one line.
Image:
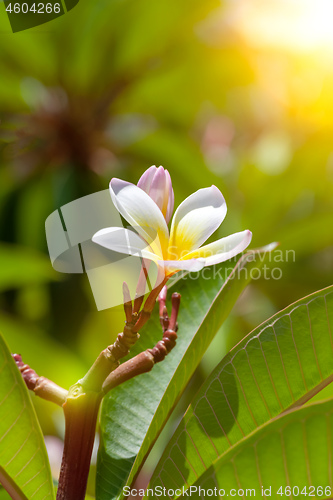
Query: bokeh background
[[237, 94]]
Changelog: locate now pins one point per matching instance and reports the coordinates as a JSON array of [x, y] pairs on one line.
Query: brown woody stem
[[108, 360], [141, 363], [80, 417], [148, 306], [145, 361], [41, 386], [81, 404], [175, 302]]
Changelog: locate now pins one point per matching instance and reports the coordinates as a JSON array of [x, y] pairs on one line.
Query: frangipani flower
[[194, 221], [157, 183]]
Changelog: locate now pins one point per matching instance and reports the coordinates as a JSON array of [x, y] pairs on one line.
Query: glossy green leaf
[[20, 267], [23, 456], [134, 413], [290, 455], [280, 365]]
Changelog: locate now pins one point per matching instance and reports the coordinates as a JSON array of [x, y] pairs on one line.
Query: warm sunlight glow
[[297, 25]]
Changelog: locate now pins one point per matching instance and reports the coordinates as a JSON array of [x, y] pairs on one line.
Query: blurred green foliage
[[115, 86]]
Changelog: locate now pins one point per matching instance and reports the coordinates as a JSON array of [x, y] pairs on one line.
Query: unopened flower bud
[[156, 182]]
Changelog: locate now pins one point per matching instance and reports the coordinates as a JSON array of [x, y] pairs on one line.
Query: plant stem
[[84, 397], [141, 363], [80, 416], [42, 387]]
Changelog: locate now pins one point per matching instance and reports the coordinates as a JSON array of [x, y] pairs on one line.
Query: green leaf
[[22, 266], [3, 494], [280, 365], [23, 456], [292, 451], [134, 414]]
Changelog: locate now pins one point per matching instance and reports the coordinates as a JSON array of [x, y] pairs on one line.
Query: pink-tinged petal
[[124, 241], [146, 178], [223, 249], [158, 188], [196, 219], [157, 183], [192, 265], [171, 198], [141, 213]]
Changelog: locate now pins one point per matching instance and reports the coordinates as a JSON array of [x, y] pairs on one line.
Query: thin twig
[[41, 386], [145, 361]]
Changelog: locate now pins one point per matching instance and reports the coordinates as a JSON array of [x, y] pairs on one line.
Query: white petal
[[125, 241], [223, 249], [187, 265], [141, 212], [196, 219]]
